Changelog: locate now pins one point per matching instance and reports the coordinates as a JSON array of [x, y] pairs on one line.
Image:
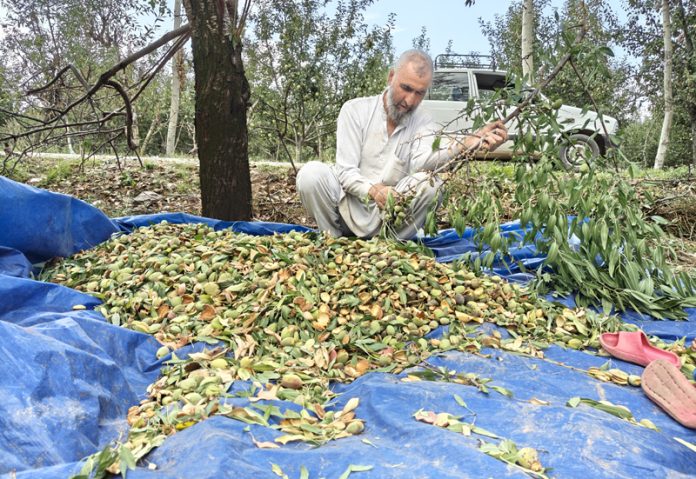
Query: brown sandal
[[667, 387]]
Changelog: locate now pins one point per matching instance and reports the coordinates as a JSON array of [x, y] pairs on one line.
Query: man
[[384, 146]]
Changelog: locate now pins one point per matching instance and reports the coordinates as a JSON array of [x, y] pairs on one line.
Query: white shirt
[[366, 154]]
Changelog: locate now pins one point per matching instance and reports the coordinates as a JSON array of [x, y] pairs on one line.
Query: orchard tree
[[43, 37], [685, 17], [527, 39], [504, 35], [221, 88], [669, 103], [304, 63], [222, 97], [422, 41], [643, 37], [178, 75], [594, 78]]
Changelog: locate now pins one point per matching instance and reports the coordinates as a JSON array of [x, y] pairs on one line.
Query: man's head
[[408, 81]]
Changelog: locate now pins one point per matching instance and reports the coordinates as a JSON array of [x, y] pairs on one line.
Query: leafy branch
[[606, 252]]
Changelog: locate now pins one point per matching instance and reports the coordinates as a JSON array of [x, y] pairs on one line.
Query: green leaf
[[613, 410], [460, 401], [354, 468], [660, 220], [553, 253], [304, 473], [502, 390], [604, 234], [573, 402], [436, 143], [606, 51], [278, 471], [127, 460], [484, 432]]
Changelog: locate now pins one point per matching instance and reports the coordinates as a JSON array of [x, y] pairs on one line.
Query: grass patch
[[61, 170], [677, 173]]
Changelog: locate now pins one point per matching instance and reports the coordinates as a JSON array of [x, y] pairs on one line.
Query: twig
[[104, 77], [162, 63], [129, 111]]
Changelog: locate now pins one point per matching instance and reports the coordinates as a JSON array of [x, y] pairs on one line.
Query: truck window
[[488, 84], [449, 86]]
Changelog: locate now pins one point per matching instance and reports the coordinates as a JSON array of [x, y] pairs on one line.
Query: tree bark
[[135, 128], [150, 132], [528, 40], [221, 93], [71, 150], [690, 71], [299, 145], [177, 74], [692, 116], [669, 103]]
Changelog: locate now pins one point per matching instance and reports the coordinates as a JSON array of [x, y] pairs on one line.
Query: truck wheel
[[577, 149]]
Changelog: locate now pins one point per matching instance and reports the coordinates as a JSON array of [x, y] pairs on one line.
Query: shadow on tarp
[[69, 377]]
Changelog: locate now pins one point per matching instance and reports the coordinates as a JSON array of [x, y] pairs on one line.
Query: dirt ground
[[161, 186], [172, 186]]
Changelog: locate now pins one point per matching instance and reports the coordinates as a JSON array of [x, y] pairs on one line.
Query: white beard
[[393, 112]]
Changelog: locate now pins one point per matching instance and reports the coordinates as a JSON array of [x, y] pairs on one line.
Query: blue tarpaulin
[[68, 378]]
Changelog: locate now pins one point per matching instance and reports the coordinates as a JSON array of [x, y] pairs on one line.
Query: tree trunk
[[136, 127], [71, 150], [221, 95], [150, 132], [177, 75], [690, 65], [669, 103], [320, 145], [528, 40], [692, 116], [299, 144]]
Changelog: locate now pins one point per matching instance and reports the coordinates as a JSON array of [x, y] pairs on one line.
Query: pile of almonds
[[290, 313]]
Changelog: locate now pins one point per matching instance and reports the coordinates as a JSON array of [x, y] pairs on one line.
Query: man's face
[[407, 87]]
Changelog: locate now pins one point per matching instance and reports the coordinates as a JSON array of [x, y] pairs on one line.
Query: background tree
[[528, 39], [607, 80], [43, 37], [504, 35], [685, 20], [6, 99], [642, 36], [422, 41], [669, 105], [303, 64], [178, 75]]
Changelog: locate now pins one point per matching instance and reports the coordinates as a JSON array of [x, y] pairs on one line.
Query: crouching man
[[384, 146]]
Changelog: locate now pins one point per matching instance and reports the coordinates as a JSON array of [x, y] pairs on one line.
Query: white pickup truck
[[458, 78]]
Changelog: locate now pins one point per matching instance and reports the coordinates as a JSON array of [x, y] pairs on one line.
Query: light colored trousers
[[321, 194]]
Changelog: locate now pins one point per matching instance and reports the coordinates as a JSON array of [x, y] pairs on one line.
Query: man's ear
[[391, 75]]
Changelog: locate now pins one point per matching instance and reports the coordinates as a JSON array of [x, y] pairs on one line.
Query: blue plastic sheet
[[68, 378]]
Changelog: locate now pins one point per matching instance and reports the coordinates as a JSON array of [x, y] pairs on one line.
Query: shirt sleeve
[[426, 156], [348, 151]]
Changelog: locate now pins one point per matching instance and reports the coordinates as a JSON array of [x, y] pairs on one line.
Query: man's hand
[[488, 137], [380, 193]]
